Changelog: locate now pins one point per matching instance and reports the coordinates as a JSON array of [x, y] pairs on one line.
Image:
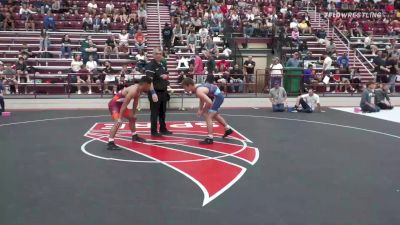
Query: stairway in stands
[[355, 62], [153, 37]]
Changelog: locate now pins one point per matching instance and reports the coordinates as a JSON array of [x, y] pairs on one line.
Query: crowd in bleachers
[[128, 17]]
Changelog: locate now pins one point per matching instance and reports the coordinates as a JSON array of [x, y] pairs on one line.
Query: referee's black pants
[[158, 110]]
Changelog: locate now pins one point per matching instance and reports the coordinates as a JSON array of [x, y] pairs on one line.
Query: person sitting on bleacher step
[[49, 21], [87, 22]]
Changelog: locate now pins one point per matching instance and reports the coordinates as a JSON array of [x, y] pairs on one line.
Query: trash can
[[292, 80]]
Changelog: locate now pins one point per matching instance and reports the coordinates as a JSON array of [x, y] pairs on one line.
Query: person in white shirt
[[24, 10], [326, 64], [294, 24], [92, 7], [276, 73], [76, 63], [309, 102], [142, 14], [227, 52], [109, 8], [91, 65], [124, 41], [368, 44], [87, 22], [203, 33]]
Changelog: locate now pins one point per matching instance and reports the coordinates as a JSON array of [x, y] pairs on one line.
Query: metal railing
[[159, 22]]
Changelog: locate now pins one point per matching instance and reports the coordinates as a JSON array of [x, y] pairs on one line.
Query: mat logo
[[208, 166]]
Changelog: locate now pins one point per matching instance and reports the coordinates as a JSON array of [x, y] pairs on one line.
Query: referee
[[158, 73]]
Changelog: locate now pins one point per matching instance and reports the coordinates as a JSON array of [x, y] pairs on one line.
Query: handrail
[[363, 56], [343, 36], [159, 22]]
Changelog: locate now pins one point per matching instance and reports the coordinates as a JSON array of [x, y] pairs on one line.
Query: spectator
[[249, 71], [331, 47], [167, 37], [192, 42], [91, 65], [142, 14], [22, 72], [123, 38], [355, 79], [248, 29], [29, 23], [198, 70], [294, 61], [25, 52], [295, 36], [309, 102], [8, 22], [132, 27], [303, 47], [276, 69], [305, 27], [203, 33], [294, 24], [109, 8], [343, 62], [105, 23], [392, 64], [76, 63], [278, 97], [56, 6], [177, 33], [211, 66], [44, 41], [89, 49], [380, 69], [381, 94], [83, 77], [10, 77], [210, 46], [109, 77], [326, 64], [308, 74], [49, 21], [236, 79], [66, 47], [140, 40], [227, 52], [111, 47], [92, 7], [365, 103], [97, 23], [87, 22], [141, 60], [368, 44], [321, 35]]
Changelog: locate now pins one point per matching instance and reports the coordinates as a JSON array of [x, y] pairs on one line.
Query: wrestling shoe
[[207, 141], [112, 146], [137, 138], [227, 132]]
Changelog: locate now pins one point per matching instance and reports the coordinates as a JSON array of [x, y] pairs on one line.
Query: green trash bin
[[292, 80]]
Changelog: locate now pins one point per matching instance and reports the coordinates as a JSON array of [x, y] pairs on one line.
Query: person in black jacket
[[167, 36], [158, 95]]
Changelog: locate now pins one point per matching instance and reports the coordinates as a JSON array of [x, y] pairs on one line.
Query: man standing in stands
[[365, 103], [248, 70], [167, 37], [158, 103]]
